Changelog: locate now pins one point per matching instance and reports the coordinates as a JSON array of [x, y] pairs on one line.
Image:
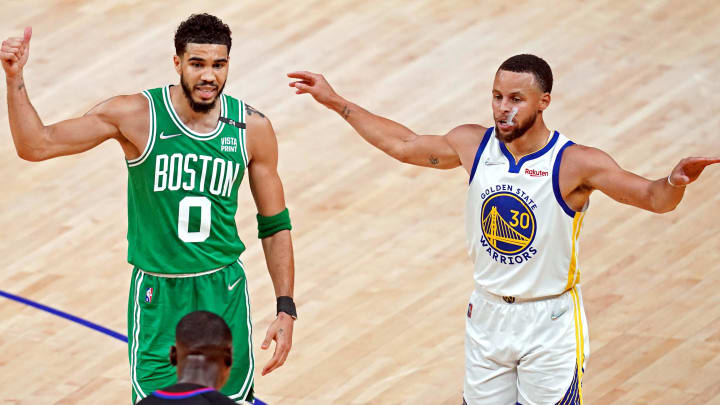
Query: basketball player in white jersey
[[526, 335]]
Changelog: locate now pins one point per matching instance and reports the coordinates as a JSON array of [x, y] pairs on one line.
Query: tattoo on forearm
[[21, 85], [345, 112], [281, 332], [250, 111], [434, 161]]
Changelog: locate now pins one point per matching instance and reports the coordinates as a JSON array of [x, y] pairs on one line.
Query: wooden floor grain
[[382, 270]]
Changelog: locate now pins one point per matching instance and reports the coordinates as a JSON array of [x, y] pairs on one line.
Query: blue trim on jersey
[[481, 148], [515, 167], [556, 180], [181, 395]]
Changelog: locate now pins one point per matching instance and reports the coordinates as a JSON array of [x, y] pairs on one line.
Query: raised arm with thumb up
[[14, 53]]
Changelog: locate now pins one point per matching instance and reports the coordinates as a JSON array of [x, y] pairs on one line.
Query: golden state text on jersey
[[508, 224], [521, 234]]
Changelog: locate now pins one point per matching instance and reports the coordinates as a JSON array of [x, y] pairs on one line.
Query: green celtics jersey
[[182, 190]]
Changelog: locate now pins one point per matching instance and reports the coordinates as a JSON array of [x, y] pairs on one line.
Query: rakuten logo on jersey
[[536, 173]]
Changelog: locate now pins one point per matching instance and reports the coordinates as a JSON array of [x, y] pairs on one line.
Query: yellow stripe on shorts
[[579, 339]]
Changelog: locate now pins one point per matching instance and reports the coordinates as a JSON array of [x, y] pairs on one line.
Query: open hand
[[689, 169], [281, 332], [15, 52]]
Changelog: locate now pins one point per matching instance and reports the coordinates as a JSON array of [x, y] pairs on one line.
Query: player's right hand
[[313, 84], [15, 52]]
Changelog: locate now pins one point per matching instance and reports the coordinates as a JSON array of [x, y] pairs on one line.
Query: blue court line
[[73, 318]]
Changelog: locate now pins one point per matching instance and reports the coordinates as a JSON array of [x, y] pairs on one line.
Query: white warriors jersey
[[522, 236]]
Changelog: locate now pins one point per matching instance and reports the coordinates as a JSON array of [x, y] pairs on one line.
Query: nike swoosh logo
[[163, 136], [555, 316], [231, 286]]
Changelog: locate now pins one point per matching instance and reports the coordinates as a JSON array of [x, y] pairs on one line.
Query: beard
[[520, 129], [202, 107]]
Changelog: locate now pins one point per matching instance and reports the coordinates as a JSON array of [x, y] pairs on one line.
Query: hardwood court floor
[[382, 270]]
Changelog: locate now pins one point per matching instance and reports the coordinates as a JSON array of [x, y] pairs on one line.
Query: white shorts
[[526, 352]]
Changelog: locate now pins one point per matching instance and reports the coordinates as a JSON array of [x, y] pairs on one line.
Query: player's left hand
[[314, 84], [281, 332], [689, 169]]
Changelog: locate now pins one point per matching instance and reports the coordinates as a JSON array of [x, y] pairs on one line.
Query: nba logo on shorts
[[148, 295], [469, 313]]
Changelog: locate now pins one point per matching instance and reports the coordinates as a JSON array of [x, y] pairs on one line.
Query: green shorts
[[155, 306]]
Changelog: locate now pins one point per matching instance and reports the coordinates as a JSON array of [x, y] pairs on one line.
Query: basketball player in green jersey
[[187, 148]]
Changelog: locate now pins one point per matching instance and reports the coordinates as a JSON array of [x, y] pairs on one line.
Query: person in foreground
[[526, 339], [203, 356], [186, 147]]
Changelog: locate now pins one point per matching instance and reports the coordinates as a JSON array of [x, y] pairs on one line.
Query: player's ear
[[544, 102], [177, 61], [173, 355]]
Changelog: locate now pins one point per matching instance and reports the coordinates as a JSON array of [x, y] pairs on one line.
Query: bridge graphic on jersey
[[497, 229]]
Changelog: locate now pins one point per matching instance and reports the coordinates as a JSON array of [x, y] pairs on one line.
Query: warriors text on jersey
[[522, 236], [182, 191]]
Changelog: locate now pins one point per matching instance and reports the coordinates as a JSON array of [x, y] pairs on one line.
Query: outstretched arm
[[35, 141], [597, 170], [269, 198], [389, 136]]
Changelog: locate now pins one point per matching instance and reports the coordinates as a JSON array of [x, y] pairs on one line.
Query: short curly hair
[[203, 328], [526, 63], [207, 334], [202, 29]]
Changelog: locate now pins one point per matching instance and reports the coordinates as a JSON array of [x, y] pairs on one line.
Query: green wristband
[[269, 226]]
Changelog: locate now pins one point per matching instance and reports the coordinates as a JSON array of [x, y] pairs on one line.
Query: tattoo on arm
[[434, 161], [21, 85], [345, 112], [281, 332], [250, 111]]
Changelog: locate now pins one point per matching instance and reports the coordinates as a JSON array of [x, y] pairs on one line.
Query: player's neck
[[532, 141], [197, 121], [198, 370]]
